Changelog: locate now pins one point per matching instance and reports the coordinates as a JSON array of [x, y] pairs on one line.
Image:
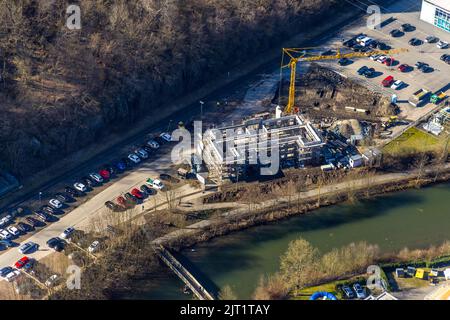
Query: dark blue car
[[121, 165], [4, 271]]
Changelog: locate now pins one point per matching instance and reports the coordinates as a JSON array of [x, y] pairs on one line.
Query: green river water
[[413, 218]]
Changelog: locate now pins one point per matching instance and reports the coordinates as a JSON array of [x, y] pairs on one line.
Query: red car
[[20, 263], [135, 192], [403, 67], [121, 201], [388, 81], [389, 62], [105, 174]]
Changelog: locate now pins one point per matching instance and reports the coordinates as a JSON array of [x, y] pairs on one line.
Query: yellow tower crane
[[302, 52]]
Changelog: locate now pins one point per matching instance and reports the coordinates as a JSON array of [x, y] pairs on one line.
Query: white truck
[[419, 98]]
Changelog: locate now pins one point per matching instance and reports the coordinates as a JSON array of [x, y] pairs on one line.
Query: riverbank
[[300, 203]]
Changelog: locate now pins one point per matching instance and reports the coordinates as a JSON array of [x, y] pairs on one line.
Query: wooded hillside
[[60, 89]]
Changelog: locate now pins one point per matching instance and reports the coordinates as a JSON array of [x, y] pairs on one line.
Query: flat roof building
[[230, 151], [436, 12]]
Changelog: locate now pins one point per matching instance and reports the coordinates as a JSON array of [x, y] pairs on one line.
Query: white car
[[134, 158], [79, 186], [442, 44], [360, 294], [94, 246], [13, 230], [67, 232], [166, 136], [153, 144], [96, 177], [382, 58], [5, 235], [55, 203], [374, 57], [142, 153], [12, 275], [27, 247], [5, 220], [397, 84], [51, 281], [155, 183]]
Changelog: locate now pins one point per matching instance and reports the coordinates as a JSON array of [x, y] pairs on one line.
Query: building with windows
[[436, 12]]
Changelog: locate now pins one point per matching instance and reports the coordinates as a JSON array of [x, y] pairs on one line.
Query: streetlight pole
[[201, 110]]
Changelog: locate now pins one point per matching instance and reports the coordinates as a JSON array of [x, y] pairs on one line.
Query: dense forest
[[61, 89]]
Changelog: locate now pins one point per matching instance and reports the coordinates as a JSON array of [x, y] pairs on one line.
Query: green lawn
[[415, 140]]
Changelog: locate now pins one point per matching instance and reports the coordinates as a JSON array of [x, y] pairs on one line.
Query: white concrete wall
[[427, 12]]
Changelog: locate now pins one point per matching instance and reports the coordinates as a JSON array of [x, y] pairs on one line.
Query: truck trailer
[[419, 98]]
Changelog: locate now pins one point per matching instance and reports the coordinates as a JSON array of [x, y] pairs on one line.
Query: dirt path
[[338, 188]]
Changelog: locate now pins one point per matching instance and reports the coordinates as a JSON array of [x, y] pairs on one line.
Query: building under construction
[[233, 152]]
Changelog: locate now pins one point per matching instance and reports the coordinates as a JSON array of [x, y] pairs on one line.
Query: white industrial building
[[436, 12]]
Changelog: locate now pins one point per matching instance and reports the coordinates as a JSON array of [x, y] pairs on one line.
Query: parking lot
[[404, 11]]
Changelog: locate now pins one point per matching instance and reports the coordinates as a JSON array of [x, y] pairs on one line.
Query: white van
[[365, 41]]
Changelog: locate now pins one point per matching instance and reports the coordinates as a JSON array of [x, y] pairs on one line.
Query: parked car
[[5, 235], [33, 222], [73, 192], [128, 196], [360, 294], [51, 281], [63, 197], [153, 144], [348, 292], [121, 201], [396, 33], [375, 57], [48, 209], [383, 46], [406, 27], [5, 270], [442, 45], [445, 57], [12, 275], [21, 262], [44, 217], [142, 153], [388, 81], [397, 84], [369, 73], [415, 42], [403, 67], [362, 70], [382, 58], [431, 39], [67, 232], [155, 183], [55, 203], [7, 243], [427, 69], [28, 247], [420, 64], [56, 244], [121, 165], [80, 186], [94, 246], [389, 61], [166, 136], [135, 192], [134, 158], [110, 205], [108, 167], [105, 174], [145, 189], [96, 177], [147, 149], [24, 227], [13, 230]]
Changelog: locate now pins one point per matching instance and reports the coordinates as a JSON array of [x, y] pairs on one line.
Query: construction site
[[321, 118]]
